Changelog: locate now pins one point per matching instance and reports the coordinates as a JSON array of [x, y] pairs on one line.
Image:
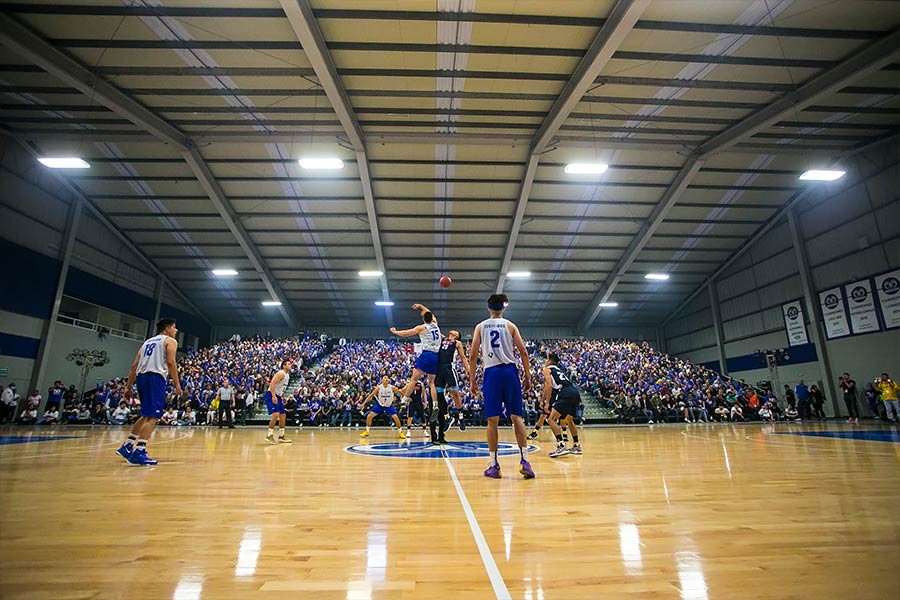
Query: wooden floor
[[691, 512]]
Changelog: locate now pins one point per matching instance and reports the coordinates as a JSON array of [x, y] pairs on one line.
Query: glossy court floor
[[684, 512]]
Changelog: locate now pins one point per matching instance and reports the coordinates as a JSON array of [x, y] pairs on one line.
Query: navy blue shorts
[[151, 389], [427, 362], [276, 407], [383, 410], [502, 388]]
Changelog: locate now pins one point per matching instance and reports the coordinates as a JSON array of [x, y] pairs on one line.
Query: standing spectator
[[872, 400], [802, 394], [890, 392], [10, 401], [226, 399], [850, 397], [789, 397], [817, 401], [55, 393]]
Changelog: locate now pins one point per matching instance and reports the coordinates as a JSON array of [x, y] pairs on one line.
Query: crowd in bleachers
[[635, 382]]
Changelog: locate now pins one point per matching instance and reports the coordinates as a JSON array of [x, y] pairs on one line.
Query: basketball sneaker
[[575, 449], [284, 440], [561, 450], [139, 457], [525, 469], [271, 439], [533, 435], [425, 433], [125, 451], [462, 424], [364, 434], [401, 435], [493, 472]]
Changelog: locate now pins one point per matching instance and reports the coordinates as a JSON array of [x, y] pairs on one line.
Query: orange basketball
[[445, 281]]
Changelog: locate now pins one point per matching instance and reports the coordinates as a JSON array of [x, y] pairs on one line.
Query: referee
[[226, 401]]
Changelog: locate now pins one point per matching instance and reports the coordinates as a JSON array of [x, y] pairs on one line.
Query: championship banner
[[834, 315], [888, 288], [862, 307], [794, 323]]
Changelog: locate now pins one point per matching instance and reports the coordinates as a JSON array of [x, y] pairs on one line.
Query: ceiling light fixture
[[822, 175], [224, 272], [383, 303], [586, 168], [608, 304], [371, 273], [271, 303], [518, 274], [64, 162], [657, 276], [331, 164]]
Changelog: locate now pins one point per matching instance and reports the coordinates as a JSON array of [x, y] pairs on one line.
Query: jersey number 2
[[495, 339]]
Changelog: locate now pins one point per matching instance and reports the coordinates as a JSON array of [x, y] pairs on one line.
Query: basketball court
[[694, 512]]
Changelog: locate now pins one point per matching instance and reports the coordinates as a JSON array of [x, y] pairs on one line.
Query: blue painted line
[[7, 440], [866, 435]]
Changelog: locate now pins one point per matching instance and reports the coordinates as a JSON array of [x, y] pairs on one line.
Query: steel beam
[[306, 28], [621, 20], [873, 57], [717, 325], [49, 327], [31, 46], [158, 293], [813, 309]]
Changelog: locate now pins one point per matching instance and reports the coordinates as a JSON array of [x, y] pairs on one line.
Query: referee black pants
[[225, 406], [437, 421]]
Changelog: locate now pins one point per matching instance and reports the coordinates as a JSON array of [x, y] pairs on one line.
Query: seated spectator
[[120, 415], [722, 412], [28, 416], [82, 416], [34, 399], [51, 415], [791, 414], [189, 416], [170, 417], [766, 414], [737, 413], [98, 415]]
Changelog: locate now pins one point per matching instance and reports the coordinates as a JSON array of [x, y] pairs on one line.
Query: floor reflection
[[248, 552], [690, 576]]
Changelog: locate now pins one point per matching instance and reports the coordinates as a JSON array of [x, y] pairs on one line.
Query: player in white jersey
[[501, 386], [384, 404], [155, 358], [275, 403], [430, 341]]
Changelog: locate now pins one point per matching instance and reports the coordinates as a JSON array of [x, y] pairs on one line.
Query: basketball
[[445, 281]]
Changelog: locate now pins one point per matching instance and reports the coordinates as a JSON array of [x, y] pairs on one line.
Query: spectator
[[737, 413], [872, 400], [817, 401], [189, 416], [120, 415], [51, 415], [82, 416], [766, 414], [35, 399], [789, 398], [170, 417], [791, 413], [98, 415], [55, 393], [850, 397], [225, 396], [803, 403], [28, 416], [890, 392], [10, 401]]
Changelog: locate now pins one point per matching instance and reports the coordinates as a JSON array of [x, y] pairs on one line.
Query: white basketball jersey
[[496, 343], [431, 337], [153, 356], [279, 387], [385, 395]]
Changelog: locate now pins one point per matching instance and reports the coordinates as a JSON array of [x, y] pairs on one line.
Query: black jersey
[[416, 394], [560, 382], [447, 352]]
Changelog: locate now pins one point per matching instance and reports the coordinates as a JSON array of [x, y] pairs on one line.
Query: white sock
[[524, 449], [281, 432], [494, 457], [271, 432], [132, 440]]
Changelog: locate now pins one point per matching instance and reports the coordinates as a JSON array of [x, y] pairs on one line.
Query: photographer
[[850, 397]]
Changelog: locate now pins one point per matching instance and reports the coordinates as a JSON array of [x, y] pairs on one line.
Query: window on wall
[[86, 315]]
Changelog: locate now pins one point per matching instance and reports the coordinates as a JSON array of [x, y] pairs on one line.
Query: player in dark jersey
[[562, 398], [415, 407], [446, 381]]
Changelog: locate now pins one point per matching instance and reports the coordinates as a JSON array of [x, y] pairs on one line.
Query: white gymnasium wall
[[121, 353], [19, 369], [851, 231]]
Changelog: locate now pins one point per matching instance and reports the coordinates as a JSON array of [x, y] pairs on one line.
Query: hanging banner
[[862, 307], [795, 323], [888, 287], [834, 315]]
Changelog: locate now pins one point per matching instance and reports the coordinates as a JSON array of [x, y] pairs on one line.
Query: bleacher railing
[[100, 328]]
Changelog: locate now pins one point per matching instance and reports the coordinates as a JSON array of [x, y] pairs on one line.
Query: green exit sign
[[4, 372]]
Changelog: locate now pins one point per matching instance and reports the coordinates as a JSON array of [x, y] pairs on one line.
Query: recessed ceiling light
[[370, 273], [608, 304], [321, 163], [224, 272], [271, 303], [63, 163], [518, 274], [383, 303], [586, 168], [657, 276], [822, 175]]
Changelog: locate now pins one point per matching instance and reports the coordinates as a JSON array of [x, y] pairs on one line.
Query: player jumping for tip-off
[[427, 362]]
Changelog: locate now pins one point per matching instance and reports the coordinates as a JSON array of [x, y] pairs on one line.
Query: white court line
[[500, 589]]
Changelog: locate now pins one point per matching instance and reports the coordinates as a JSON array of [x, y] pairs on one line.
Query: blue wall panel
[[29, 280]]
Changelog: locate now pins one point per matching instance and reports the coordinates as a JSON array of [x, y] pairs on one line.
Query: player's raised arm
[[424, 309], [523, 354], [405, 333]]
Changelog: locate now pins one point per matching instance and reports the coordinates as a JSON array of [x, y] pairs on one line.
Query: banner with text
[[888, 287], [863, 318], [795, 323], [834, 315]]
